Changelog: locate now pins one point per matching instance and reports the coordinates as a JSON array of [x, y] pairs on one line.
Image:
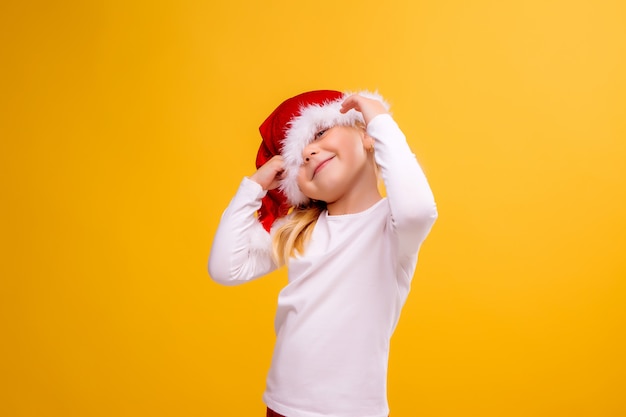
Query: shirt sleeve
[[242, 249], [412, 204]]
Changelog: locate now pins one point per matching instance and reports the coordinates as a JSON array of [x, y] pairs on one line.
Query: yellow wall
[[125, 128]]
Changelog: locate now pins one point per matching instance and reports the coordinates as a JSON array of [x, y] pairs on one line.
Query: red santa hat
[[287, 131]]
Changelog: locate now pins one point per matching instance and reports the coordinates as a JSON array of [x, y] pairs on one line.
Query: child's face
[[334, 163]]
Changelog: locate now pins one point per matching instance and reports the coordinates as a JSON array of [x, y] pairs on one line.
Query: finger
[[278, 166], [352, 102], [276, 180]]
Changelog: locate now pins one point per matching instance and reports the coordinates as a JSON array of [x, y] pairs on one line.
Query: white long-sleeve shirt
[[343, 299]]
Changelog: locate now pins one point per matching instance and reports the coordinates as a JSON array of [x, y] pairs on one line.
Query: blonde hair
[[292, 236]]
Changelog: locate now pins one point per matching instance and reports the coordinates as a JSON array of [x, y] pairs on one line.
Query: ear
[[363, 135], [368, 141]]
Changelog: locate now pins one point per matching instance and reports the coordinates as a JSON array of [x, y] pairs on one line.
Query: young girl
[[350, 253]]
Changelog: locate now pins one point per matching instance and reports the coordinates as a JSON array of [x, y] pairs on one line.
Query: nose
[[307, 159]]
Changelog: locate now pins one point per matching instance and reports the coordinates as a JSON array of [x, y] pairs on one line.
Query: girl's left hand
[[368, 107]]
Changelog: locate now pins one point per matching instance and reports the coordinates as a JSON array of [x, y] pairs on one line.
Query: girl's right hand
[[270, 173]]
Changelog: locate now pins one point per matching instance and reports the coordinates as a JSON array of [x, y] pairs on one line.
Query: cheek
[[356, 153], [301, 178]]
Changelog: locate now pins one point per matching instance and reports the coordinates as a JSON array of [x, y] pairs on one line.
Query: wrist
[[254, 177], [254, 183]]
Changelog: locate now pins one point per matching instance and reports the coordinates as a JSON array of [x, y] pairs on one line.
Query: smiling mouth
[[322, 165]]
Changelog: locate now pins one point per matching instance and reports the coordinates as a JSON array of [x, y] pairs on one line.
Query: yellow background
[[126, 127]]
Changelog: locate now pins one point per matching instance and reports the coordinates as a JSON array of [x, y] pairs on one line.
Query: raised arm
[[411, 200], [242, 249]]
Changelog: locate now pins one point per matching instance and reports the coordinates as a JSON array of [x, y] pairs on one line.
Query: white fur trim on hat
[[301, 132]]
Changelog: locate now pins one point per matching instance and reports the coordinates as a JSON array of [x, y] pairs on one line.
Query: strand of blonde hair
[[291, 238]]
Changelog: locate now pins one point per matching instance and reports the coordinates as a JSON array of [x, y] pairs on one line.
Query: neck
[[350, 207], [362, 195]]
